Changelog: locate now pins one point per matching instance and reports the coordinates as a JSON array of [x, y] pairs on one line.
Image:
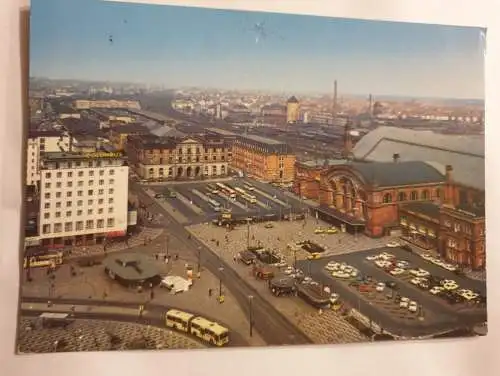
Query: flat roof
[[61, 156], [426, 208], [131, 266], [263, 140]]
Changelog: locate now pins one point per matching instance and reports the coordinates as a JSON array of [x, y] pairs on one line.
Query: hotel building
[[83, 198]]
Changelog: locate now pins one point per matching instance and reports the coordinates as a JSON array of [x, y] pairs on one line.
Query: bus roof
[[53, 315], [180, 314], [214, 327]]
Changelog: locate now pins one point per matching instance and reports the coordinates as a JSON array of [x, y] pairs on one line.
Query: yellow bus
[[178, 320], [37, 261], [249, 198], [209, 331], [206, 330]]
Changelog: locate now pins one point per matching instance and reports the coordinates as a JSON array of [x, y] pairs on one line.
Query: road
[[443, 317], [274, 328], [153, 316]]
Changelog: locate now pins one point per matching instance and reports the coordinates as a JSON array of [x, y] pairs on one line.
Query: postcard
[[202, 178]]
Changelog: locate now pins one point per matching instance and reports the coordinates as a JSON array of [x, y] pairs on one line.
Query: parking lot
[[192, 199], [433, 314]]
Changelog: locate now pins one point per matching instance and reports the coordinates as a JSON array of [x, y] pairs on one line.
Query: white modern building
[[83, 198], [41, 142]]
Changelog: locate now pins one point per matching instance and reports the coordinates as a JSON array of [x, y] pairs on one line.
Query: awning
[[332, 212]]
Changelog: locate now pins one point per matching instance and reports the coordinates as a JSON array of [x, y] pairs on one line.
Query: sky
[[183, 46]]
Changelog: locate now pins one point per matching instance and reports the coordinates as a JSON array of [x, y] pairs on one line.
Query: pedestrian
[[165, 257], [177, 256], [209, 292], [156, 256], [234, 258], [217, 243]]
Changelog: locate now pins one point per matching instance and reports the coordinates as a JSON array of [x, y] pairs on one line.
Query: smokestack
[[334, 109], [370, 104], [449, 173]]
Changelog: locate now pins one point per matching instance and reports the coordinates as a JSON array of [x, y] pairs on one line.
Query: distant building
[[83, 198], [40, 142], [118, 135], [292, 110], [273, 110], [86, 104], [171, 158], [263, 158]]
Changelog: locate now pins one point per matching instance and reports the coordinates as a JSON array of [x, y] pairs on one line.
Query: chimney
[[449, 173], [395, 157]]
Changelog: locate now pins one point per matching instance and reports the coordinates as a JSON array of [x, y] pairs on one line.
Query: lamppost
[[250, 308], [248, 233], [166, 245], [221, 270], [199, 258]]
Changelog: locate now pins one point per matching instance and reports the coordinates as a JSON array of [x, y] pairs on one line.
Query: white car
[[333, 298], [307, 279], [392, 244], [403, 264], [404, 302], [288, 270], [449, 284], [386, 256], [436, 290], [383, 263], [343, 266], [380, 287], [427, 256], [420, 272], [372, 257], [417, 281], [413, 306], [450, 267], [397, 271], [340, 274], [332, 266]]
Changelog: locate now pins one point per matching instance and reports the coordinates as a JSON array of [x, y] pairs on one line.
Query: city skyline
[[152, 44]]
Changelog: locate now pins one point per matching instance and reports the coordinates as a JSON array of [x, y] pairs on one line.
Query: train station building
[[427, 187]]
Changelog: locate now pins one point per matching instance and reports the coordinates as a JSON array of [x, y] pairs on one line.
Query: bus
[[212, 189], [170, 193], [228, 191], [240, 191], [209, 331], [248, 187], [43, 260], [55, 320], [249, 198], [206, 330], [214, 204], [178, 320]]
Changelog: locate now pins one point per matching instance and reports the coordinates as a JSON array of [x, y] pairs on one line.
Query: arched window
[[387, 198], [425, 194], [151, 172], [438, 193], [402, 196], [414, 195]]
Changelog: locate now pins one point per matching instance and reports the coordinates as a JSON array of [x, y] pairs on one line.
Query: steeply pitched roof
[[393, 174], [464, 152]]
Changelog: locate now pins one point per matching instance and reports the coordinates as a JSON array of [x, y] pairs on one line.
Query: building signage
[[115, 234], [102, 155]]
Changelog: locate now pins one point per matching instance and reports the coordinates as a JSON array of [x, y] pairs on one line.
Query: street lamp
[[221, 270], [250, 307], [199, 258], [166, 245]]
